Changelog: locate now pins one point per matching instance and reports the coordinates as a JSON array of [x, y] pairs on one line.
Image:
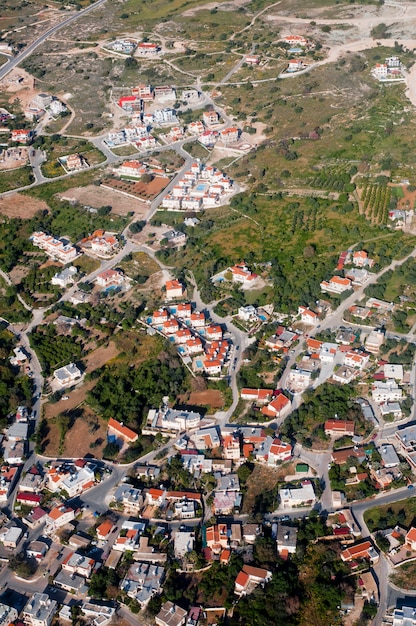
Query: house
[[286, 540], [296, 40], [404, 616], [143, 92], [256, 395], [247, 313], [10, 537], [119, 430], [360, 259], [128, 103], [307, 316], [148, 48], [358, 277], [279, 452], [171, 615], [129, 536], [59, 516], [35, 518], [391, 408], [389, 456], [229, 135], [241, 274], [339, 428], [76, 563], [110, 278], [249, 578], [174, 289], [362, 550], [386, 391], [411, 538], [251, 59], [131, 169], [345, 337], [344, 375], [102, 244], [278, 408], [340, 456], [37, 550], [294, 65], [67, 375], [298, 380], [40, 610], [73, 583], [22, 136], [17, 431], [104, 530], [210, 118], [64, 278], [73, 162], [55, 248], [101, 614], [217, 538], [374, 341], [20, 357], [184, 542], [393, 371], [357, 359], [300, 496], [175, 238], [336, 285], [8, 614], [130, 498], [28, 499]]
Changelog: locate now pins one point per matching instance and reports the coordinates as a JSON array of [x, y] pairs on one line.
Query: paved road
[[15, 61]]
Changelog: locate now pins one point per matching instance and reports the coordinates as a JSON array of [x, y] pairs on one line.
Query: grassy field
[[405, 575], [381, 517], [10, 307], [14, 179]]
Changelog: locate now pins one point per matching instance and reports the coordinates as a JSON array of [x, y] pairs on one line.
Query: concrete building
[[8, 614], [40, 610], [171, 615]]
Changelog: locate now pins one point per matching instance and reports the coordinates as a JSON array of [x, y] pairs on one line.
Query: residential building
[[73, 583], [22, 136], [20, 357], [184, 542], [55, 248], [386, 391], [340, 456], [143, 92], [357, 359], [100, 614], [406, 616], [174, 289], [339, 428], [229, 135], [231, 447], [64, 278], [67, 375], [298, 380], [307, 316], [273, 451], [247, 313], [171, 615], [374, 341], [256, 395], [102, 244], [143, 581], [336, 285], [362, 550], [58, 517], [130, 498], [286, 540], [391, 408], [131, 169], [217, 538], [296, 40], [241, 274], [393, 371], [389, 456], [278, 408], [251, 59], [40, 610], [10, 537], [110, 278], [37, 550], [118, 430], [8, 614], [344, 375], [300, 496], [76, 563], [175, 237], [210, 118], [249, 578], [104, 530]]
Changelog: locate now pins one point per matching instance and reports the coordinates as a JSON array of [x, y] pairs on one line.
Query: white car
[[65, 398]]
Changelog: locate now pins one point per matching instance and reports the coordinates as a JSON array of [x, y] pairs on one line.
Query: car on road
[[410, 487], [65, 398], [374, 436]]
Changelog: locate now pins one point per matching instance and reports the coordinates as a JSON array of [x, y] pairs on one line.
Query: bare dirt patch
[[23, 207], [102, 355], [98, 197], [86, 428], [146, 191], [19, 84], [75, 398], [210, 397], [262, 478]]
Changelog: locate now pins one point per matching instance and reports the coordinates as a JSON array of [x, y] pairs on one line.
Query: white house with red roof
[[249, 578], [197, 320], [256, 395], [110, 278], [213, 332], [58, 517], [278, 408], [357, 359], [229, 135], [210, 118], [360, 259], [131, 169], [22, 136], [120, 431], [296, 40], [336, 285], [307, 316], [241, 273]]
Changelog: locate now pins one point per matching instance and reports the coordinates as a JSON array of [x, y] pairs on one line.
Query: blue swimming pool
[[199, 363]]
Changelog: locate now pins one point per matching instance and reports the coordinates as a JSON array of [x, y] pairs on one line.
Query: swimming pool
[[199, 364]]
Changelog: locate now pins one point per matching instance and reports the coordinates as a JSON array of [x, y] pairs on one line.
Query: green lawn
[[16, 178]]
